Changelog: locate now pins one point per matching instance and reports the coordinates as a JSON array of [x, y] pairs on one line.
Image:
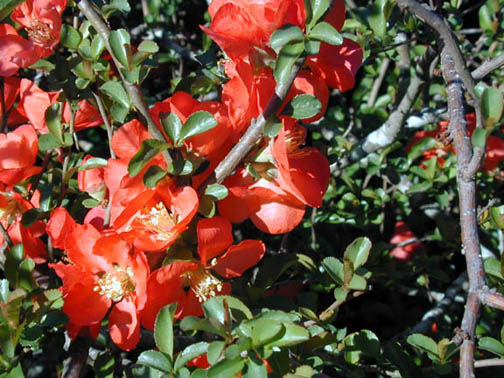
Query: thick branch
[[467, 208], [387, 133], [133, 90], [436, 22], [255, 131]]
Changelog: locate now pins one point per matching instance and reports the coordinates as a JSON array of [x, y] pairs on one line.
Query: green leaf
[[325, 32], [149, 47], [425, 144], [156, 360], [226, 368], [70, 37], [97, 47], [424, 343], [7, 6], [255, 368], [497, 215], [196, 124], [4, 290], [190, 353], [358, 252], [266, 330], [311, 47], [163, 329], [479, 138], [31, 216], [14, 258], [377, 18], [172, 126], [304, 106], [115, 5], [53, 121], [148, 150], [104, 365], [285, 35], [153, 175], [48, 142], [492, 106], [217, 191], [334, 268], [287, 57], [214, 308], [116, 92], [271, 129], [119, 112], [486, 19], [215, 350], [119, 41], [293, 335], [92, 163], [318, 8], [491, 345], [357, 283]]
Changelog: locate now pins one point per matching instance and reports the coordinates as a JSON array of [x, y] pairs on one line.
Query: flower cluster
[[145, 246]]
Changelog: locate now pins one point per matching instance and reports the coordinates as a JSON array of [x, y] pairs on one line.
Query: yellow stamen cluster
[[115, 286], [159, 220], [204, 284], [39, 32]]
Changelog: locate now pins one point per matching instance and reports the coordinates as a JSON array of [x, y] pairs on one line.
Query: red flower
[[92, 181], [239, 25], [12, 208], [34, 102], [15, 51], [86, 116], [402, 234], [104, 272], [154, 219], [167, 284], [269, 207], [302, 171], [42, 21], [18, 152]]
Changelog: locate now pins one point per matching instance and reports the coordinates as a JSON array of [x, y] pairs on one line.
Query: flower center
[[159, 220], [204, 284], [117, 285], [39, 32], [8, 207], [294, 139]]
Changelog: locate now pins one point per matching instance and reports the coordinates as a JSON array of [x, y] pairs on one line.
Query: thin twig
[[133, 90], [489, 362], [103, 114], [487, 67], [6, 235], [492, 299], [378, 82]]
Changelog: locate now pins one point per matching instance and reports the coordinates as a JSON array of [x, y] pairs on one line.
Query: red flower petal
[[239, 258], [124, 326], [214, 236]]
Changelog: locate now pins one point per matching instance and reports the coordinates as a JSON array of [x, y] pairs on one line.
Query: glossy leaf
[[285, 35], [190, 353], [156, 360], [358, 252], [70, 37], [287, 57], [325, 32], [119, 41], [116, 92], [163, 329], [148, 150], [196, 124], [216, 191]]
